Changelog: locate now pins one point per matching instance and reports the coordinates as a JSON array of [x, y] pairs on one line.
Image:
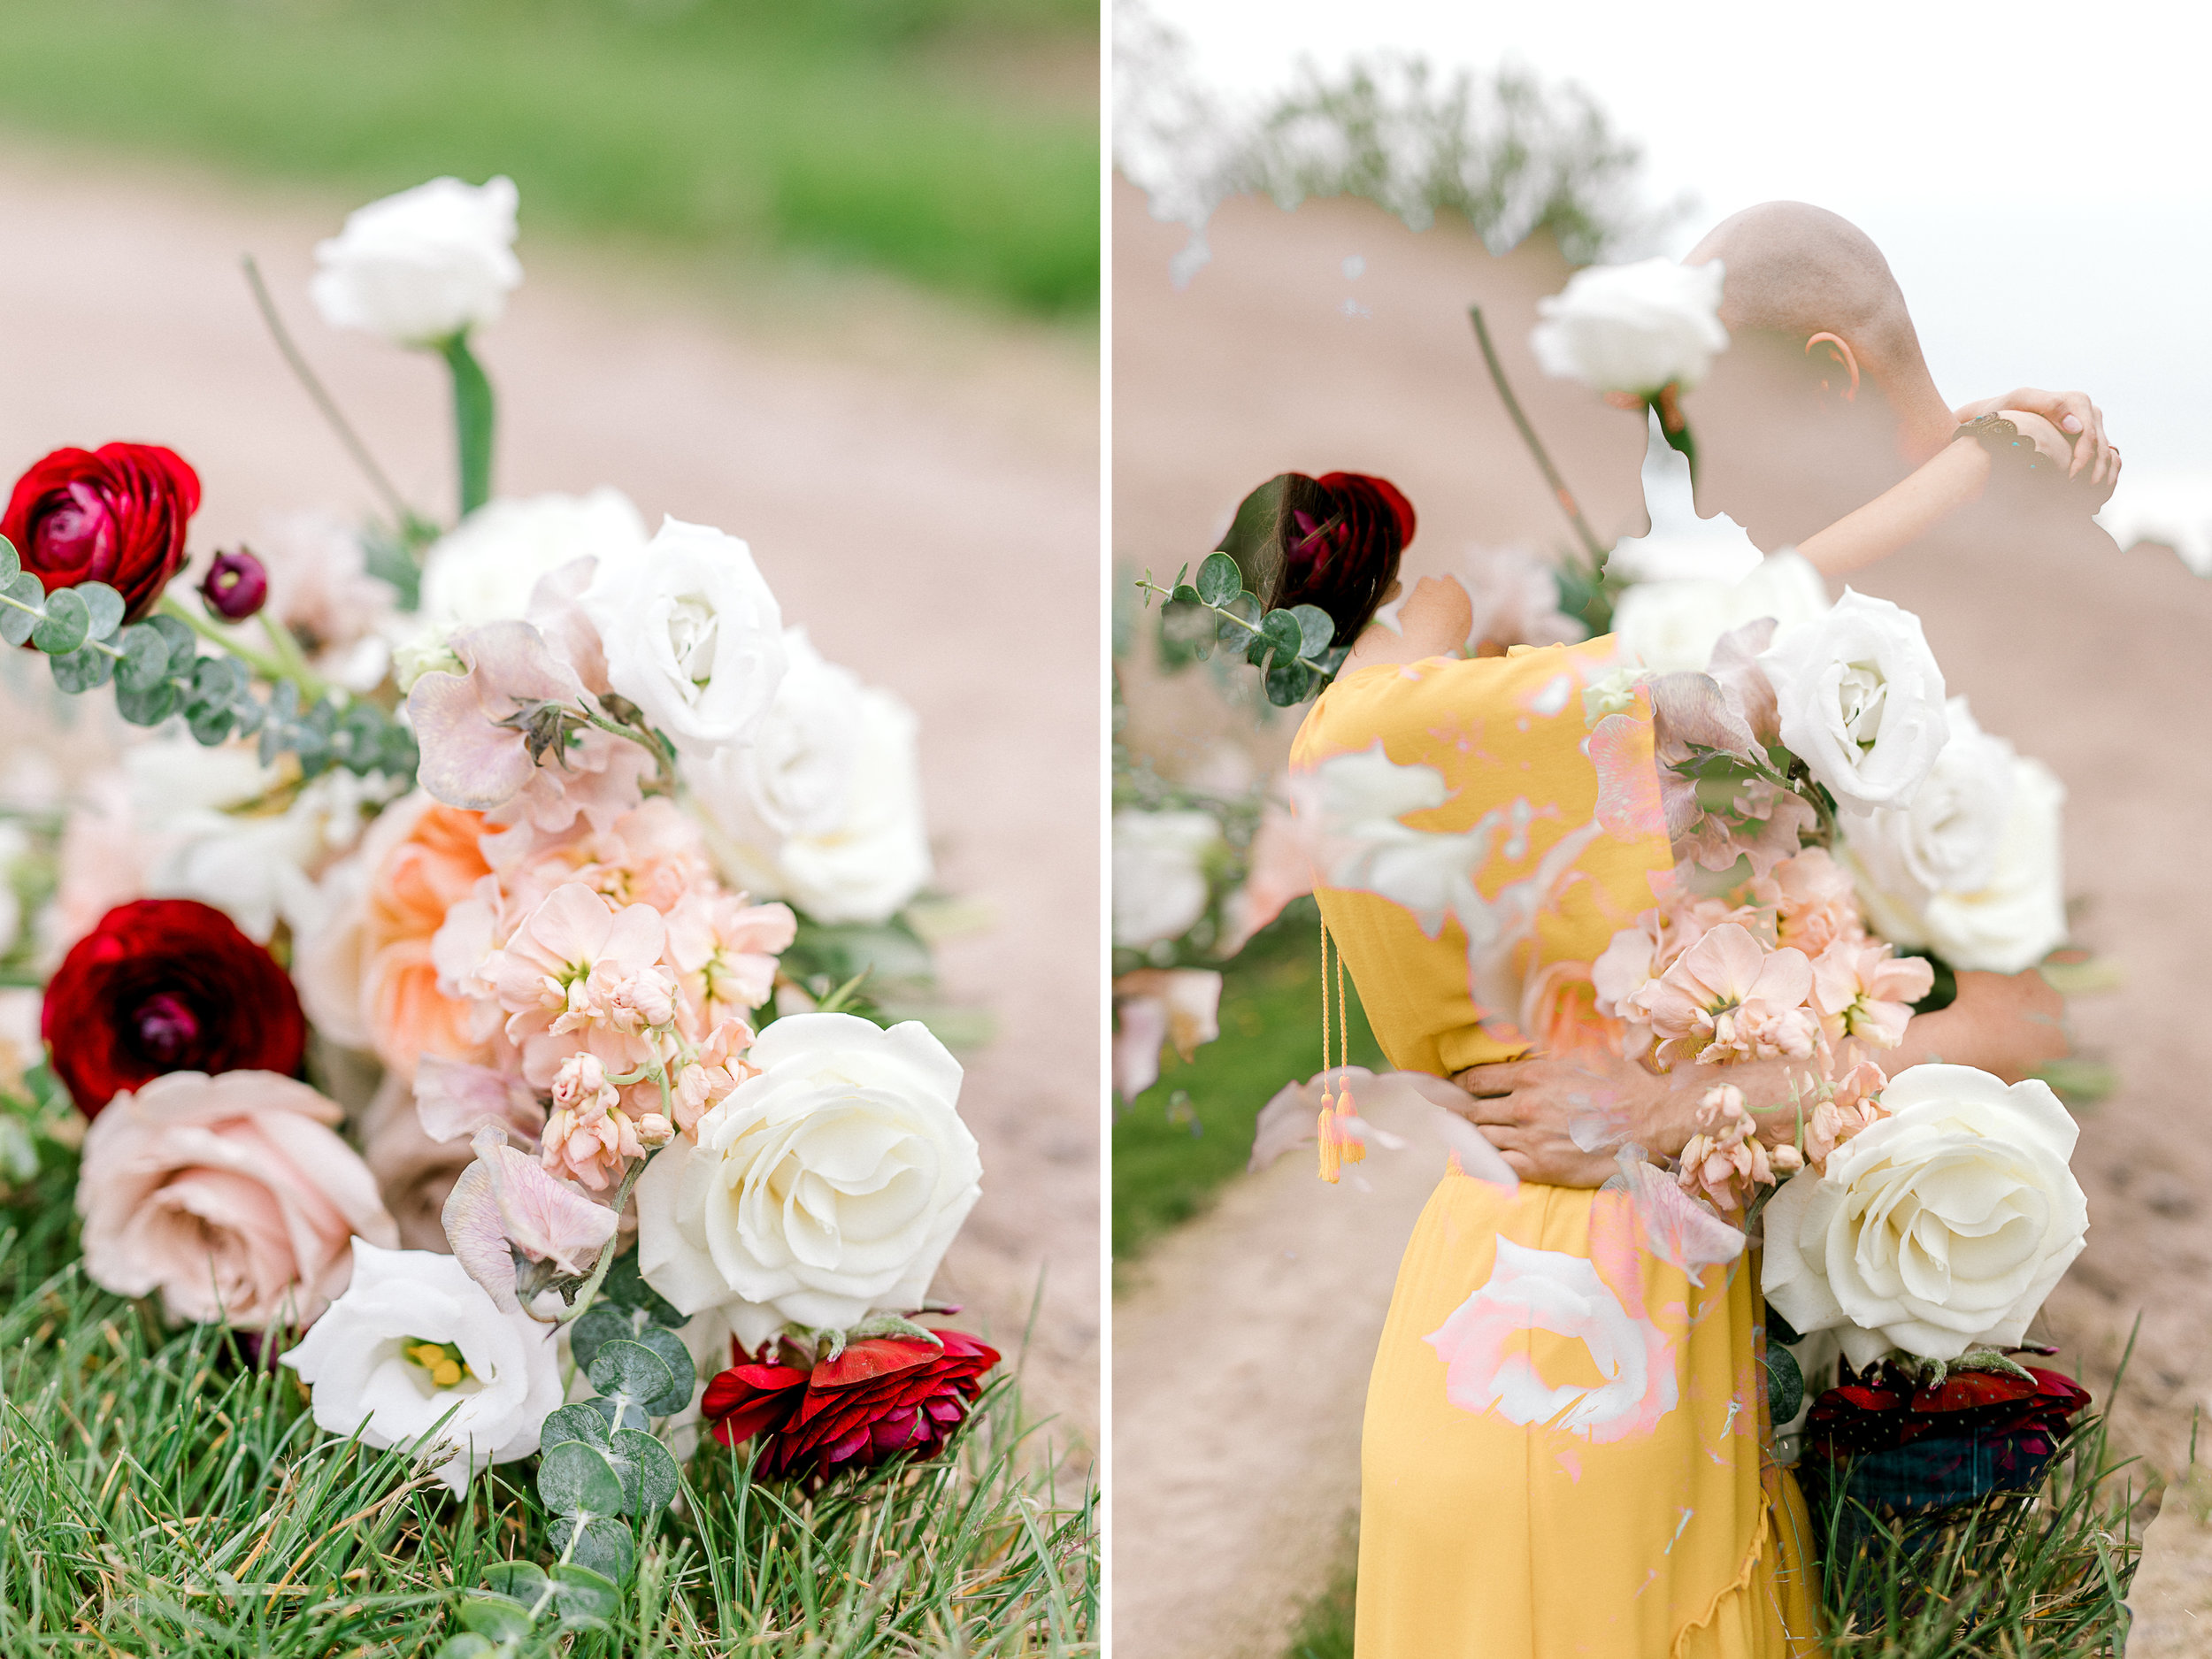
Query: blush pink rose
[[230, 1195]]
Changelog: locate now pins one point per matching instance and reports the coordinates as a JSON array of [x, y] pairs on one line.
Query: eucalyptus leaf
[[494, 1619], [1184, 594], [1315, 628], [9, 562], [1279, 632], [599, 1326], [625, 1286], [467, 1645], [145, 658], [682, 1370], [104, 607], [1785, 1384], [1235, 628], [149, 707], [1219, 579], [631, 1370], [604, 1546], [1289, 683], [584, 1597], [66, 625], [573, 1423], [183, 644], [649, 1473], [619, 1411], [574, 1475], [522, 1581], [15, 622], [83, 670]]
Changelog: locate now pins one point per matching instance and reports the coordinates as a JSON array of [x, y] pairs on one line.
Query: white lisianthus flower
[[424, 266], [1939, 1228], [1160, 887], [820, 1190], [1634, 327], [415, 1338], [1861, 701], [485, 569], [824, 807], [693, 635], [1672, 626]]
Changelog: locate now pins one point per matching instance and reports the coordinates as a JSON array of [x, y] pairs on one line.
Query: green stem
[[653, 743], [1560, 492], [472, 422], [394, 502], [582, 1304], [267, 667], [294, 660]]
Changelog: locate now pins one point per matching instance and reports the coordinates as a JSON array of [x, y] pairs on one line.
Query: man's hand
[[2010, 1024], [1532, 1110], [2073, 414]]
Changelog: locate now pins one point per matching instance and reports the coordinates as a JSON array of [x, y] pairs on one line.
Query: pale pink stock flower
[[557, 971], [1855, 1105], [712, 1073], [476, 751], [581, 1086], [1725, 1155], [1729, 998], [1860, 990], [1816, 905], [505, 1201], [725, 948], [589, 1142]]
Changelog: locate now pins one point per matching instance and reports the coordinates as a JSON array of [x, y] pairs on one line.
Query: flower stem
[[294, 660], [1560, 492], [582, 1304], [651, 741], [267, 667], [472, 414], [394, 502]]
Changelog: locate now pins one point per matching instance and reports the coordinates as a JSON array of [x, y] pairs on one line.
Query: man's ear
[[1838, 365]]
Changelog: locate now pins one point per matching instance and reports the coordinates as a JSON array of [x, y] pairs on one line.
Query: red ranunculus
[[1332, 542], [882, 1395], [115, 514], [167, 984], [1884, 1409]]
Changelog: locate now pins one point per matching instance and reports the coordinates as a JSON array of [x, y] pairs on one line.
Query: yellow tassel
[[1332, 1146], [1354, 1149]]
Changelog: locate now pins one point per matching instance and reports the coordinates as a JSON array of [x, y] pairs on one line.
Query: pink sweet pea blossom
[[1860, 990], [1729, 998], [505, 1201], [478, 729]]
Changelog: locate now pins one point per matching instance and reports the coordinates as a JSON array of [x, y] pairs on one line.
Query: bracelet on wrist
[[2005, 441]]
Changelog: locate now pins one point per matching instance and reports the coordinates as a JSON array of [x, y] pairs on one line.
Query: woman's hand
[[1541, 1114], [2072, 413]]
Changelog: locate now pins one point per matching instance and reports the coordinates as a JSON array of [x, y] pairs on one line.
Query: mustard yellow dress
[[1562, 1451]]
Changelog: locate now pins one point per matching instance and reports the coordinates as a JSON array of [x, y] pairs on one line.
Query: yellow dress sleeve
[[1500, 730]]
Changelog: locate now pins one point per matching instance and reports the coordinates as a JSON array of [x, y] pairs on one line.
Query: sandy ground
[[1231, 1500], [914, 483]]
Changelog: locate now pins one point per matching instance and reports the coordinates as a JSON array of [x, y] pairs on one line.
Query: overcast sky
[[2036, 173]]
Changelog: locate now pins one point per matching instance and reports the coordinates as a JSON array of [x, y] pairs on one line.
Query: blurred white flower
[[1861, 701], [485, 569], [862, 1125], [1160, 887], [421, 267], [693, 635], [319, 588], [1945, 839], [1634, 327], [1515, 595], [1673, 626], [417, 1354]]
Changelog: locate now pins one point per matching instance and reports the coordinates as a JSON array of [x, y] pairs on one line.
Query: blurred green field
[[1170, 1153], [951, 142]]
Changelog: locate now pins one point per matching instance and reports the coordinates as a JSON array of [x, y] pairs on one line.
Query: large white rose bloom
[[419, 267], [821, 1190], [1940, 1228], [1861, 701], [824, 806], [1160, 886], [1634, 327], [1672, 626], [485, 567], [693, 635], [358, 1360]]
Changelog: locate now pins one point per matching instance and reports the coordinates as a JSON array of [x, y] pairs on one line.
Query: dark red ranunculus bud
[[237, 585], [1332, 542], [167, 984], [116, 514], [882, 1395]]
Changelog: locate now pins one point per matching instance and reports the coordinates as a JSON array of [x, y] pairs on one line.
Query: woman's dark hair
[[1332, 542]]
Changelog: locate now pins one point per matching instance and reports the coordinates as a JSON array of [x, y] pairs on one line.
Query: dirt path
[[910, 481], [1231, 1512]]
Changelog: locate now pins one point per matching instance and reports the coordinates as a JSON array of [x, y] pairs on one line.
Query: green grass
[[159, 1495], [951, 142], [1192, 1130]]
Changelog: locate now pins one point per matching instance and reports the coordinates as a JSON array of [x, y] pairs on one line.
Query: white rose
[[1160, 887], [485, 568], [376, 1358], [797, 776], [1940, 1228], [1946, 837], [823, 1189], [877, 858], [421, 267], [1634, 327], [1861, 701], [1673, 626], [693, 635]]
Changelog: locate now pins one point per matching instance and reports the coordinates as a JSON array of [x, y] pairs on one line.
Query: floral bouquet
[[475, 976]]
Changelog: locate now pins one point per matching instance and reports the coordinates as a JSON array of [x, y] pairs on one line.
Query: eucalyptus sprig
[[1292, 647]]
